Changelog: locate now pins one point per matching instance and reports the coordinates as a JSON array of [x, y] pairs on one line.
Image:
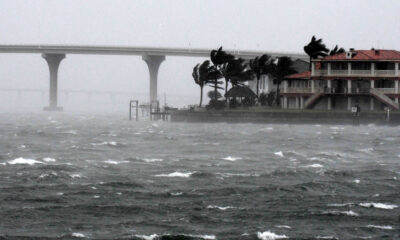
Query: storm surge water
[[102, 177]]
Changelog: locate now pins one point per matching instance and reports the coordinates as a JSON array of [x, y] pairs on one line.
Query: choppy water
[[103, 177]]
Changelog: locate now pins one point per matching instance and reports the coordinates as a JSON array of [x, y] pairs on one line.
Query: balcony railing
[[355, 72], [339, 72], [361, 72], [388, 90], [338, 90], [385, 72]]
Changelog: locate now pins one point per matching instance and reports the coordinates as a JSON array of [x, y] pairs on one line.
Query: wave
[[150, 160], [176, 174], [175, 237], [269, 236], [385, 227], [340, 213], [279, 154], [220, 208], [379, 205], [78, 235], [48, 159], [109, 161], [24, 161], [315, 165], [232, 159]]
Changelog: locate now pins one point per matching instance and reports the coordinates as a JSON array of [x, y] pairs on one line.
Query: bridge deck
[[126, 50]]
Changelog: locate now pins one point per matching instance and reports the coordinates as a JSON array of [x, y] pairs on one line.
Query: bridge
[[153, 56]]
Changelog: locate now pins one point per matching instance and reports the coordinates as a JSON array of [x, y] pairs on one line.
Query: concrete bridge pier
[[53, 60], [153, 63]]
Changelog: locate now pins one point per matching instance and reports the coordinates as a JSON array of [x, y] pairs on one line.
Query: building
[[366, 78], [267, 84]]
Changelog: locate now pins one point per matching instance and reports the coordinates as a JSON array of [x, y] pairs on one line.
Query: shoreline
[[285, 116]]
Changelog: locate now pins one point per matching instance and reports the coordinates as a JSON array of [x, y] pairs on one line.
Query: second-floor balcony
[[325, 90], [357, 70]]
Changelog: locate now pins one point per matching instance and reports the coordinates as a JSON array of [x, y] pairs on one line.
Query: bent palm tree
[[278, 69], [316, 48], [204, 74], [259, 65], [220, 59], [336, 50], [238, 72]]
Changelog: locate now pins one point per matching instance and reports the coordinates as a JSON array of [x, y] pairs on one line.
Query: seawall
[[286, 116]]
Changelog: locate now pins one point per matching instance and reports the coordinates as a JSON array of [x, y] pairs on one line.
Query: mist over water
[[103, 177]]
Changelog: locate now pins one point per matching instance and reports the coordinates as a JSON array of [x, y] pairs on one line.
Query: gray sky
[[263, 25]]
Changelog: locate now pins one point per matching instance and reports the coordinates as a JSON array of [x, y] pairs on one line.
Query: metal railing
[[385, 72], [355, 72]]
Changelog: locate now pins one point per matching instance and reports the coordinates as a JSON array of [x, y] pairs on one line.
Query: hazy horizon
[[255, 25]]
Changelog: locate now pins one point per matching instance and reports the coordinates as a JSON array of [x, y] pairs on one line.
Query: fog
[[255, 25]]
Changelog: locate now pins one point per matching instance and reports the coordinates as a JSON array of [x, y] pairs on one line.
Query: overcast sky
[[263, 25]]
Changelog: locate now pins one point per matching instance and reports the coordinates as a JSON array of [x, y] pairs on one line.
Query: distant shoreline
[[286, 116]]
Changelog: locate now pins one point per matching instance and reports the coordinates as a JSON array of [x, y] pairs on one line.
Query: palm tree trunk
[[226, 85], [257, 83], [277, 97], [215, 89], [201, 96]]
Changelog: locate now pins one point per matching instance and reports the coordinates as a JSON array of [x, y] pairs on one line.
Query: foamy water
[[103, 177]]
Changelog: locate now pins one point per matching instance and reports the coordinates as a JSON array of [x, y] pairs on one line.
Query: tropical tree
[[259, 65], [278, 69], [205, 74], [336, 50], [237, 72], [316, 48], [220, 59]]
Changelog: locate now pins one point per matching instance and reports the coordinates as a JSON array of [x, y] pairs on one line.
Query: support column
[[301, 102], [349, 68], [153, 63], [329, 90], [313, 86], [329, 69], [53, 60], [396, 68], [396, 89], [297, 103], [348, 86]]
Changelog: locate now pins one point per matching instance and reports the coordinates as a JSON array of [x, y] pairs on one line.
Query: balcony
[[356, 73], [338, 90]]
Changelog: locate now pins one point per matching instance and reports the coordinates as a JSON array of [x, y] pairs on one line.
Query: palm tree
[[259, 65], [238, 72], [316, 48], [204, 74], [220, 59], [279, 68], [336, 50]]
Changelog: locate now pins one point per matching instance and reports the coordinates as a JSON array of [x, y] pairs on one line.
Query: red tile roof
[[373, 54], [303, 75]]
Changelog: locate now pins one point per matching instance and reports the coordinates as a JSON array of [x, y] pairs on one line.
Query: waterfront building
[[267, 84], [366, 78]]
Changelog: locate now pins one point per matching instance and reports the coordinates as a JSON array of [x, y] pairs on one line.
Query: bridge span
[[153, 56]]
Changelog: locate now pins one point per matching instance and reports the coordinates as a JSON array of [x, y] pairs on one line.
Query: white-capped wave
[[149, 160], [78, 235], [149, 237], [176, 174], [109, 161], [220, 208], [269, 236], [315, 165], [340, 204], [112, 143], [24, 161], [48, 159], [155, 236], [279, 154], [337, 213], [75, 176], [356, 180], [385, 227], [283, 226], [379, 205], [230, 158], [176, 193]]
